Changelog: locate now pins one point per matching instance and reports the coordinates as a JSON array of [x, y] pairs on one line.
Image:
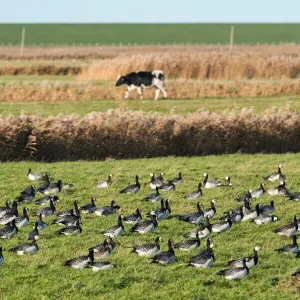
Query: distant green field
[[69, 34]]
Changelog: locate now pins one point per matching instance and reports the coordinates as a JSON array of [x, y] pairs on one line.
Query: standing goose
[[3, 209], [288, 229], [53, 188], [46, 211], [11, 214], [275, 176], [90, 207], [170, 186], [162, 212], [196, 194], [104, 183], [9, 231], [27, 195], [102, 265], [115, 230], [250, 214], [147, 249], [34, 235], [46, 200], [41, 224], [153, 197], [188, 245], [235, 273], [133, 188], [156, 182], [280, 190], [35, 176], [22, 221], [205, 258], [289, 248], [107, 210], [134, 218], [211, 211], [195, 217], [25, 248], [222, 226], [210, 184], [258, 192], [146, 226], [165, 258], [251, 261], [178, 179], [267, 209], [264, 219], [70, 230], [81, 261], [203, 231]]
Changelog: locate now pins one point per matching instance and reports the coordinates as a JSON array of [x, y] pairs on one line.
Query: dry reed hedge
[[40, 70], [127, 134]]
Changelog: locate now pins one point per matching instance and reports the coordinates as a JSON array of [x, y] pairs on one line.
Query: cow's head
[[120, 80]]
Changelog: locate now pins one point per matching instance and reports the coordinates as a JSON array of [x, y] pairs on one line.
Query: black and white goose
[[295, 196], [266, 209], [104, 249], [69, 230], [235, 273], [289, 248], [170, 186], [250, 214], [222, 226], [245, 197], [102, 265], [46, 211], [288, 229], [245, 207], [46, 200], [107, 210], [44, 185], [35, 176], [53, 188], [146, 226], [188, 245], [251, 261], [166, 257], [11, 214], [25, 248], [134, 218], [205, 258], [104, 183], [258, 192], [195, 194], [275, 176], [147, 249], [3, 209], [34, 235], [68, 220], [235, 216], [195, 217], [203, 231], [70, 211], [178, 179], [211, 211], [41, 224], [162, 212], [1, 256], [23, 220], [156, 181], [27, 195], [81, 262], [264, 219], [133, 188], [153, 197], [115, 230], [280, 190], [210, 184], [9, 231], [89, 207]]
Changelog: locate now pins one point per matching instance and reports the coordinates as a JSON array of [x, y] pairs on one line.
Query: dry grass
[[43, 69]]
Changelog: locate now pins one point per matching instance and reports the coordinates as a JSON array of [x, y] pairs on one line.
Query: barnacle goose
[[134, 218], [236, 273], [156, 182], [210, 184], [188, 245], [34, 235], [104, 183], [45, 200], [166, 257], [288, 229], [9, 231], [146, 226], [25, 248], [205, 258], [178, 179], [117, 229], [289, 248], [133, 188], [81, 261], [90, 207], [196, 194], [195, 217], [153, 197], [251, 261], [275, 176], [107, 210], [147, 249]]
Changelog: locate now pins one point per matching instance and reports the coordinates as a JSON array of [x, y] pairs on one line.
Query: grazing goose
[[133, 188], [90, 207], [35, 176], [81, 261], [25, 248], [250, 214], [156, 182], [264, 219], [162, 212], [275, 176], [115, 230], [245, 197], [22, 221], [147, 249], [235, 273], [3, 209], [44, 185], [134, 218], [102, 265], [104, 183], [211, 211], [1, 256], [107, 210], [46, 200], [289, 248], [68, 220], [70, 211], [41, 224], [153, 197], [205, 258], [70, 230], [9, 231], [188, 245], [280, 190], [46, 211], [11, 214], [288, 229], [222, 226], [258, 192], [165, 258], [146, 226], [170, 186], [34, 235], [267, 209], [210, 184], [195, 217], [202, 232], [26, 196], [251, 261], [196, 194], [178, 179], [53, 188]]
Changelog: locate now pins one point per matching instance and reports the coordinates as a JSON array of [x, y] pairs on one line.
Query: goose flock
[[46, 196]]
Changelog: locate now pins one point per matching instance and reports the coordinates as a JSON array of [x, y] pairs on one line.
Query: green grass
[[43, 276], [69, 34]]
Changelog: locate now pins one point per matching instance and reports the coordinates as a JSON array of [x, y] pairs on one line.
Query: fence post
[[231, 37], [22, 41]]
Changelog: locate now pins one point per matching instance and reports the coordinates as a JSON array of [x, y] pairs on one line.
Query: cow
[[142, 79]]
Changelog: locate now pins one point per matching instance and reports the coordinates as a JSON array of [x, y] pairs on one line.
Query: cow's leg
[[157, 91], [127, 94], [140, 92], [164, 92]]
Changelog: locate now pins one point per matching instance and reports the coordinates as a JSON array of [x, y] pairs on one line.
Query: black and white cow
[[140, 80]]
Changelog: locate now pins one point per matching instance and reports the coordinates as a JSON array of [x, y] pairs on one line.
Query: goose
[[68, 220], [153, 197], [115, 230], [246, 206], [205, 258], [251, 213], [44, 185], [11, 214], [105, 248], [25, 248], [210, 184], [178, 179], [211, 211], [203, 231], [103, 265], [90, 207], [222, 226], [41, 224], [146, 226], [289, 248], [170, 186], [1, 256], [28, 191], [235, 273], [295, 197], [251, 261], [147, 249], [196, 194], [81, 261], [35, 176], [156, 182], [69, 230], [22, 221], [133, 188], [3, 209], [46, 211], [166, 257], [134, 218], [26, 197], [195, 217], [288, 229], [245, 197], [69, 211], [264, 219], [104, 183], [107, 210], [275, 176], [53, 188], [162, 212], [188, 245], [267, 209], [9, 231], [235, 216], [34, 235], [46, 200], [258, 192], [280, 190]]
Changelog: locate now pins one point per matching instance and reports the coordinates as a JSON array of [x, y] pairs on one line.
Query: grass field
[[44, 276], [108, 34]]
